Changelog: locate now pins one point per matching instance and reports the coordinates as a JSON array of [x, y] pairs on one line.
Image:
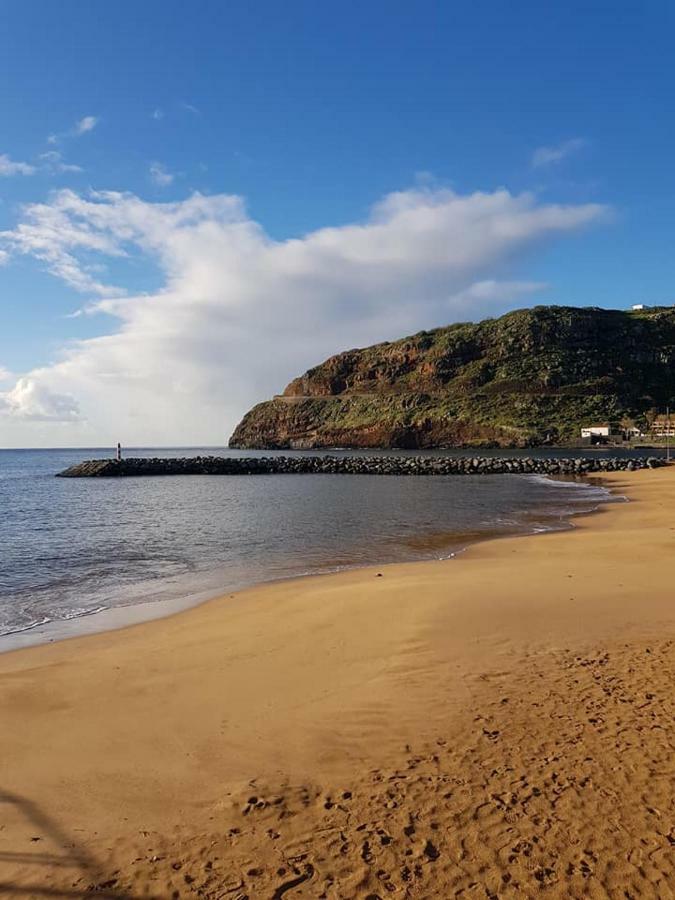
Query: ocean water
[[72, 548]]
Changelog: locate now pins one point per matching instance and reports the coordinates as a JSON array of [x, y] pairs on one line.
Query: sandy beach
[[497, 725]]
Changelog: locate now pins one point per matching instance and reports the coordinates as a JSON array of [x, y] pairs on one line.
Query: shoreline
[[503, 724], [116, 618]]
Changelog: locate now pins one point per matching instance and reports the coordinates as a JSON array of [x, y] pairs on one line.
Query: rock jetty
[[354, 465]]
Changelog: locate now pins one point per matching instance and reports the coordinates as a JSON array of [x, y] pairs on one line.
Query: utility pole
[[667, 434]]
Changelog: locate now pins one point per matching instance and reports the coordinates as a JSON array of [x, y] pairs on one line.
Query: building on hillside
[[638, 306], [596, 432], [663, 426]]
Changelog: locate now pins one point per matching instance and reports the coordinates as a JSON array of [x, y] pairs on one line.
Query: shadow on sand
[[69, 856]]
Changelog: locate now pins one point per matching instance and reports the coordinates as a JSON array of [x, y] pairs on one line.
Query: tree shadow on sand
[[69, 855]]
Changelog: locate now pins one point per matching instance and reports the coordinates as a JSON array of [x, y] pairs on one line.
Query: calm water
[[70, 548]]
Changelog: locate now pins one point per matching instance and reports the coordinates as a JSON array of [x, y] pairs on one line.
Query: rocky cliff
[[531, 377]]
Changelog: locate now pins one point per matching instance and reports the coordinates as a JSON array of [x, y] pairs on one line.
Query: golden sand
[[498, 725]]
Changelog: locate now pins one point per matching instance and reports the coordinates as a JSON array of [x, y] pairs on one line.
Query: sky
[[199, 201]]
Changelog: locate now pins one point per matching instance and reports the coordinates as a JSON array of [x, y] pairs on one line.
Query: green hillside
[[531, 377]]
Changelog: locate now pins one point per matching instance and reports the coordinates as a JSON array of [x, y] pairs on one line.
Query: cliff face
[[530, 377]]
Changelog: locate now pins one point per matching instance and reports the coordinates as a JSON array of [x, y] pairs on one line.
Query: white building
[[663, 426], [595, 431], [638, 306]]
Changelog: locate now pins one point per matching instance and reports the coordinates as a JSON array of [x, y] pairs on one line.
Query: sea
[[83, 555]]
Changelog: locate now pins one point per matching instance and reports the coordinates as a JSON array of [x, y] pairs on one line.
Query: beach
[[495, 725]]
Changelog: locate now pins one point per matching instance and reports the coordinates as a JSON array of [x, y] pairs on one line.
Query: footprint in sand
[[294, 882], [366, 854]]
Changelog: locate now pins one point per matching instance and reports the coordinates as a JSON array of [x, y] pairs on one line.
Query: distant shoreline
[[459, 448]]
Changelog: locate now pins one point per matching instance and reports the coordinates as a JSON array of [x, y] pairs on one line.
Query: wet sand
[[497, 725]]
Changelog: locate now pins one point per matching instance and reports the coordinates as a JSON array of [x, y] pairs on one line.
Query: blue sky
[[312, 113]]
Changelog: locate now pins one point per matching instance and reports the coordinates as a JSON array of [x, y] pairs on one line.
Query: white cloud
[[55, 163], [239, 314], [157, 114], [547, 156], [31, 399], [10, 167], [82, 126], [491, 291], [55, 233], [5, 374], [160, 175], [88, 123]]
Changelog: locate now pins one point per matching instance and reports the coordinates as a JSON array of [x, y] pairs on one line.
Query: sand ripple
[[560, 784]]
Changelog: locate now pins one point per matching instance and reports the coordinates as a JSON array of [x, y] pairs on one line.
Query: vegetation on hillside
[[532, 376]]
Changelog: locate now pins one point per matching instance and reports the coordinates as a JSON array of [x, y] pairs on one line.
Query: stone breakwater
[[353, 465]]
